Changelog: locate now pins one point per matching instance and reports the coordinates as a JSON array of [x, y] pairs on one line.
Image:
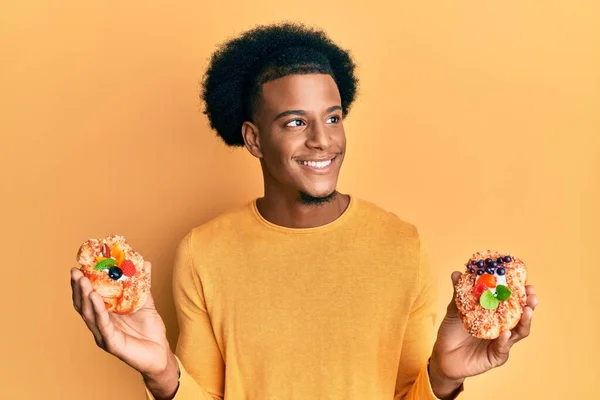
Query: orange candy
[[117, 254], [488, 280]]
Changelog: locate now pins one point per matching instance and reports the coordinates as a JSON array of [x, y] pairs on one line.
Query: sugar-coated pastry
[[117, 273], [490, 294]]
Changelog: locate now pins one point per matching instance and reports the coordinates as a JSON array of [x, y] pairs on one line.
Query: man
[[305, 293]]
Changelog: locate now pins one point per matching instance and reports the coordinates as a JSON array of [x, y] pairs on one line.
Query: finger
[[529, 290], [149, 304], [503, 341], [532, 301], [501, 348], [452, 310], [455, 277], [76, 274], [87, 311], [523, 328], [106, 329]]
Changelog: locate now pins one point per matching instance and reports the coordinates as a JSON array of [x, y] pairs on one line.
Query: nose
[[317, 137]]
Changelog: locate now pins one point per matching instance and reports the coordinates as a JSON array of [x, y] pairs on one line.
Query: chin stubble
[[307, 199]]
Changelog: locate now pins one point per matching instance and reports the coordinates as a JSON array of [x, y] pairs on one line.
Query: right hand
[[139, 339]]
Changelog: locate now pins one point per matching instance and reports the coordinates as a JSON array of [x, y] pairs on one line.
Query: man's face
[[301, 134]]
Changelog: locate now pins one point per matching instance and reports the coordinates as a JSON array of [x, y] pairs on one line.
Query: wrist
[[443, 386], [164, 384]]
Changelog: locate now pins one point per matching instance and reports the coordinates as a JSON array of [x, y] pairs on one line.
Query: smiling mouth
[[321, 164]]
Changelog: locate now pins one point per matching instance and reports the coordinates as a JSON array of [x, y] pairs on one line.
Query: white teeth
[[317, 164]]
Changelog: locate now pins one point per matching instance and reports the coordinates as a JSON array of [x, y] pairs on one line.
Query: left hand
[[458, 355]]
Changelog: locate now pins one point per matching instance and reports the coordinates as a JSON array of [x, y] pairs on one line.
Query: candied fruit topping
[[115, 273], [488, 280]]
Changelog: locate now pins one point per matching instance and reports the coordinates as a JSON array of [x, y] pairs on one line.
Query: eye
[[295, 123], [333, 119]]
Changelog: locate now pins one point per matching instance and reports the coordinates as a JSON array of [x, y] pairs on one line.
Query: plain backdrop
[[478, 121]]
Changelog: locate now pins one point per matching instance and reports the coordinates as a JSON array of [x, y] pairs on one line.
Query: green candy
[[488, 300], [502, 292], [106, 264]]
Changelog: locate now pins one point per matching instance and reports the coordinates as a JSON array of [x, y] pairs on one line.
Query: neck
[[292, 212]]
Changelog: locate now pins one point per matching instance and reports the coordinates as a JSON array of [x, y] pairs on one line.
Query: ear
[[251, 139]]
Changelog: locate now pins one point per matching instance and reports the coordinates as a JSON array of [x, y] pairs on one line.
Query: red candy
[[479, 289], [128, 268]]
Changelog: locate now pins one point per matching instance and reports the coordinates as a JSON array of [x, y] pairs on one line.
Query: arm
[[198, 357], [414, 381]]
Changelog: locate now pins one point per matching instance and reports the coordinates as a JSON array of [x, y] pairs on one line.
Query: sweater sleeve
[[200, 361], [413, 382]]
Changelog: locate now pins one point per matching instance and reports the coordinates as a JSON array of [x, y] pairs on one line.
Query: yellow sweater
[[341, 311]]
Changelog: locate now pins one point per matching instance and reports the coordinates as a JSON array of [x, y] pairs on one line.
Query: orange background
[[477, 121]]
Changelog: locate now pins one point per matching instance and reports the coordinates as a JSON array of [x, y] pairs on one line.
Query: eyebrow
[[302, 112]]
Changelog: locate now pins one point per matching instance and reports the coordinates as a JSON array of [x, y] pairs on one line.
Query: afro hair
[[231, 88]]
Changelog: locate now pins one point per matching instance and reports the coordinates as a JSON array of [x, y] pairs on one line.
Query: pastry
[[116, 272], [490, 294]]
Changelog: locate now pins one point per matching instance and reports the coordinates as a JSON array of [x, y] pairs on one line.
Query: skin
[[138, 339], [298, 119], [457, 355]]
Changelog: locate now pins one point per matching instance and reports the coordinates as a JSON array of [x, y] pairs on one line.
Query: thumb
[[149, 304], [452, 310], [500, 349]]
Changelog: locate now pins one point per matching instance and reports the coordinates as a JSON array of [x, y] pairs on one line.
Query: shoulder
[[219, 228], [375, 217], [396, 240]]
